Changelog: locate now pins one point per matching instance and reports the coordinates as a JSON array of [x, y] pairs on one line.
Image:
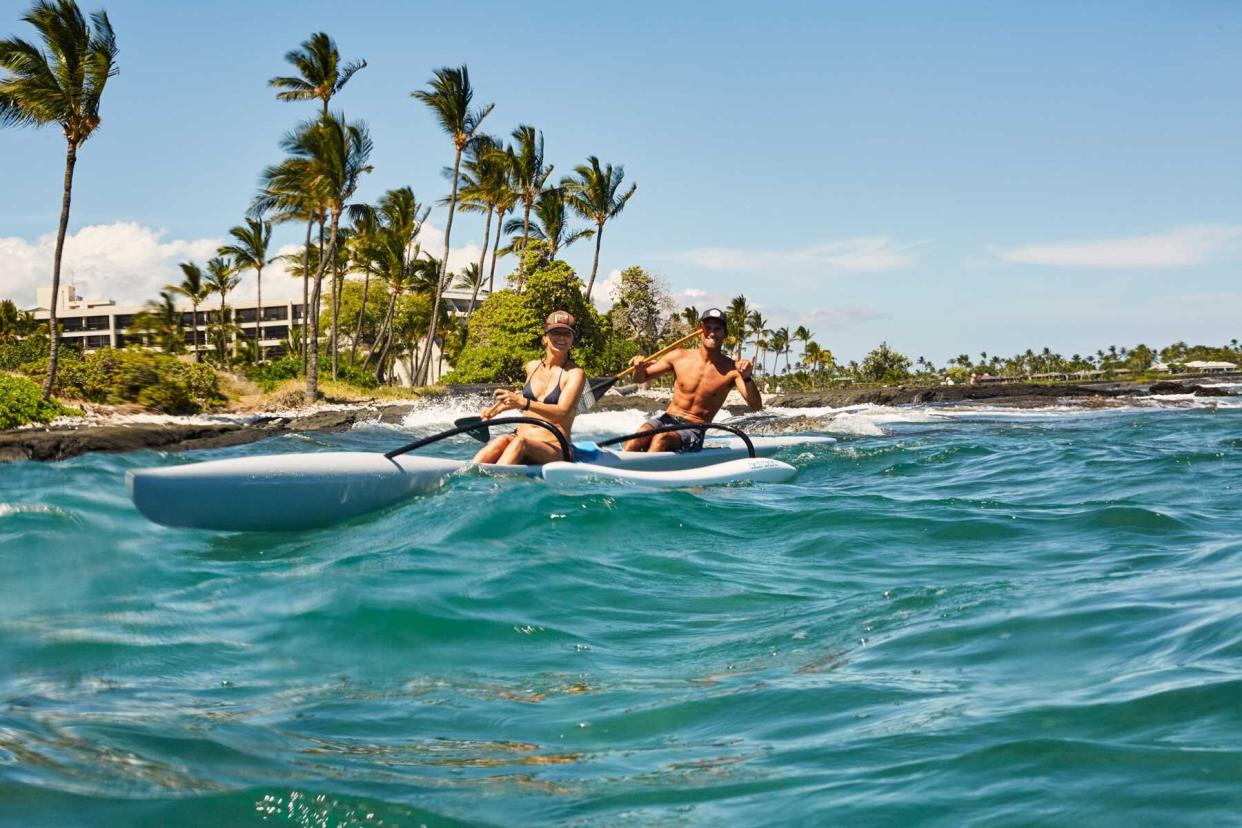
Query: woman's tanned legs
[[492, 452]]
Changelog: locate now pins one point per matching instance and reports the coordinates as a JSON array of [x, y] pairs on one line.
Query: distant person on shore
[[553, 386], [702, 380]]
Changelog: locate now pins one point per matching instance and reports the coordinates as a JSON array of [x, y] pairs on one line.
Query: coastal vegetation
[[379, 316]]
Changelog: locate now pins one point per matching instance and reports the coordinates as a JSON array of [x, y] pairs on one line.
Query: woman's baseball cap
[[560, 320]]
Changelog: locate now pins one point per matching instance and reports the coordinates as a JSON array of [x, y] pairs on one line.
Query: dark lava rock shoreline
[[66, 441]]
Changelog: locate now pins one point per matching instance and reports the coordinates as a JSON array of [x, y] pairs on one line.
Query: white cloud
[[1182, 247], [124, 261], [431, 238], [130, 263], [602, 295], [840, 317], [859, 255]]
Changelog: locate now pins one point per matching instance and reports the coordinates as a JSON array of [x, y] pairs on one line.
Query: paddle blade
[[481, 433], [597, 388]]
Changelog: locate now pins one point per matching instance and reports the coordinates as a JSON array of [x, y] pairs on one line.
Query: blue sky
[[946, 177]]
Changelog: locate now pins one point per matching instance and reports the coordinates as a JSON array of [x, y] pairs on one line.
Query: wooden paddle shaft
[[665, 350]]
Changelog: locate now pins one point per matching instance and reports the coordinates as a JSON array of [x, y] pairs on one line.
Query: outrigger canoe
[[283, 492]]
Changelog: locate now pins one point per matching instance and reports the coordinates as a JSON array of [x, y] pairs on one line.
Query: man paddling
[[702, 381]]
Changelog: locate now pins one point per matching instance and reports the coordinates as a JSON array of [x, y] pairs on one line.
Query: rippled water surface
[[952, 616]]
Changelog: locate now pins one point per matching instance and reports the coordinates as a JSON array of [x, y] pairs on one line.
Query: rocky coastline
[[61, 441]]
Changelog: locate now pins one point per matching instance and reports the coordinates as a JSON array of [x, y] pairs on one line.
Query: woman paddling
[[553, 386]]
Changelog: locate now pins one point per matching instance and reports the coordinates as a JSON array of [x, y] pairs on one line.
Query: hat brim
[[564, 328]]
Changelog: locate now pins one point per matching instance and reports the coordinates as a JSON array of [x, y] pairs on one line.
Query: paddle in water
[[596, 389]]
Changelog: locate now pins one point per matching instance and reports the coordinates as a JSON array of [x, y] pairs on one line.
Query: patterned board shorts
[[691, 438]]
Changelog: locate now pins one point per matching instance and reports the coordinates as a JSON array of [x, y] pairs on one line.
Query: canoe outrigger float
[[283, 492]]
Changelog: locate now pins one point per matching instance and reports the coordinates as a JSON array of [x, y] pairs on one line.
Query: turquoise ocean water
[[953, 616]]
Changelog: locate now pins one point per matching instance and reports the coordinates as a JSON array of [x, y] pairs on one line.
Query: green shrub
[[157, 381], [352, 374], [270, 374], [17, 356], [885, 365], [21, 402]]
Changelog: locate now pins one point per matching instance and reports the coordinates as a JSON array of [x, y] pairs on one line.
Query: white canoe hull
[[282, 492]]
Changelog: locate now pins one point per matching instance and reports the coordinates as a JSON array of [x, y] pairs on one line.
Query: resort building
[[102, 323], [1202, 366]]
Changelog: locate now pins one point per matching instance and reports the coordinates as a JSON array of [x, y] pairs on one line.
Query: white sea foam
[[10, 509], [438, 414]]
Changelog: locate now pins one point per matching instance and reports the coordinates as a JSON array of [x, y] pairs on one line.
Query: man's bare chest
[[703, 380]]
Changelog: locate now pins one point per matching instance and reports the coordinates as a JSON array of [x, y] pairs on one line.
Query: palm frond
[[63, 82]]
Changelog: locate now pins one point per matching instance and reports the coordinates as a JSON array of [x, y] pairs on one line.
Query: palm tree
[[221, 279], [780, 344], [385, 240], [449, 98], [470, 278], [811, 355], [337, 152], [691, 316], [288, 191], [737, 314], [549, 224], [194, 288], [419, 274], [504, 198], [15, 324], [596, 195], [249, 251], [318, 61], [340, 268], [756, 327], [162, 321], [803, 335], [528, 175], [323, 75], [484, 187], [60, 83]]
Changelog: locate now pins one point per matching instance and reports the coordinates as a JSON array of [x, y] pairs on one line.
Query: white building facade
[[92, 324]]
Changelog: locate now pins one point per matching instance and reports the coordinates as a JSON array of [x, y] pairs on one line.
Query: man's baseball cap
[[560, 320], [717, 314]]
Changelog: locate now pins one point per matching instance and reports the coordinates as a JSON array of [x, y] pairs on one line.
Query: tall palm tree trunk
[[385, 331], [312, 375], [336, 295], [382, 363], [599, 237], [306, 288], [491, 278], [198, 357], [435, 306], [353, 347], [478, 282], [525, 242], [258, 314], [71, 160], [223, 344]]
